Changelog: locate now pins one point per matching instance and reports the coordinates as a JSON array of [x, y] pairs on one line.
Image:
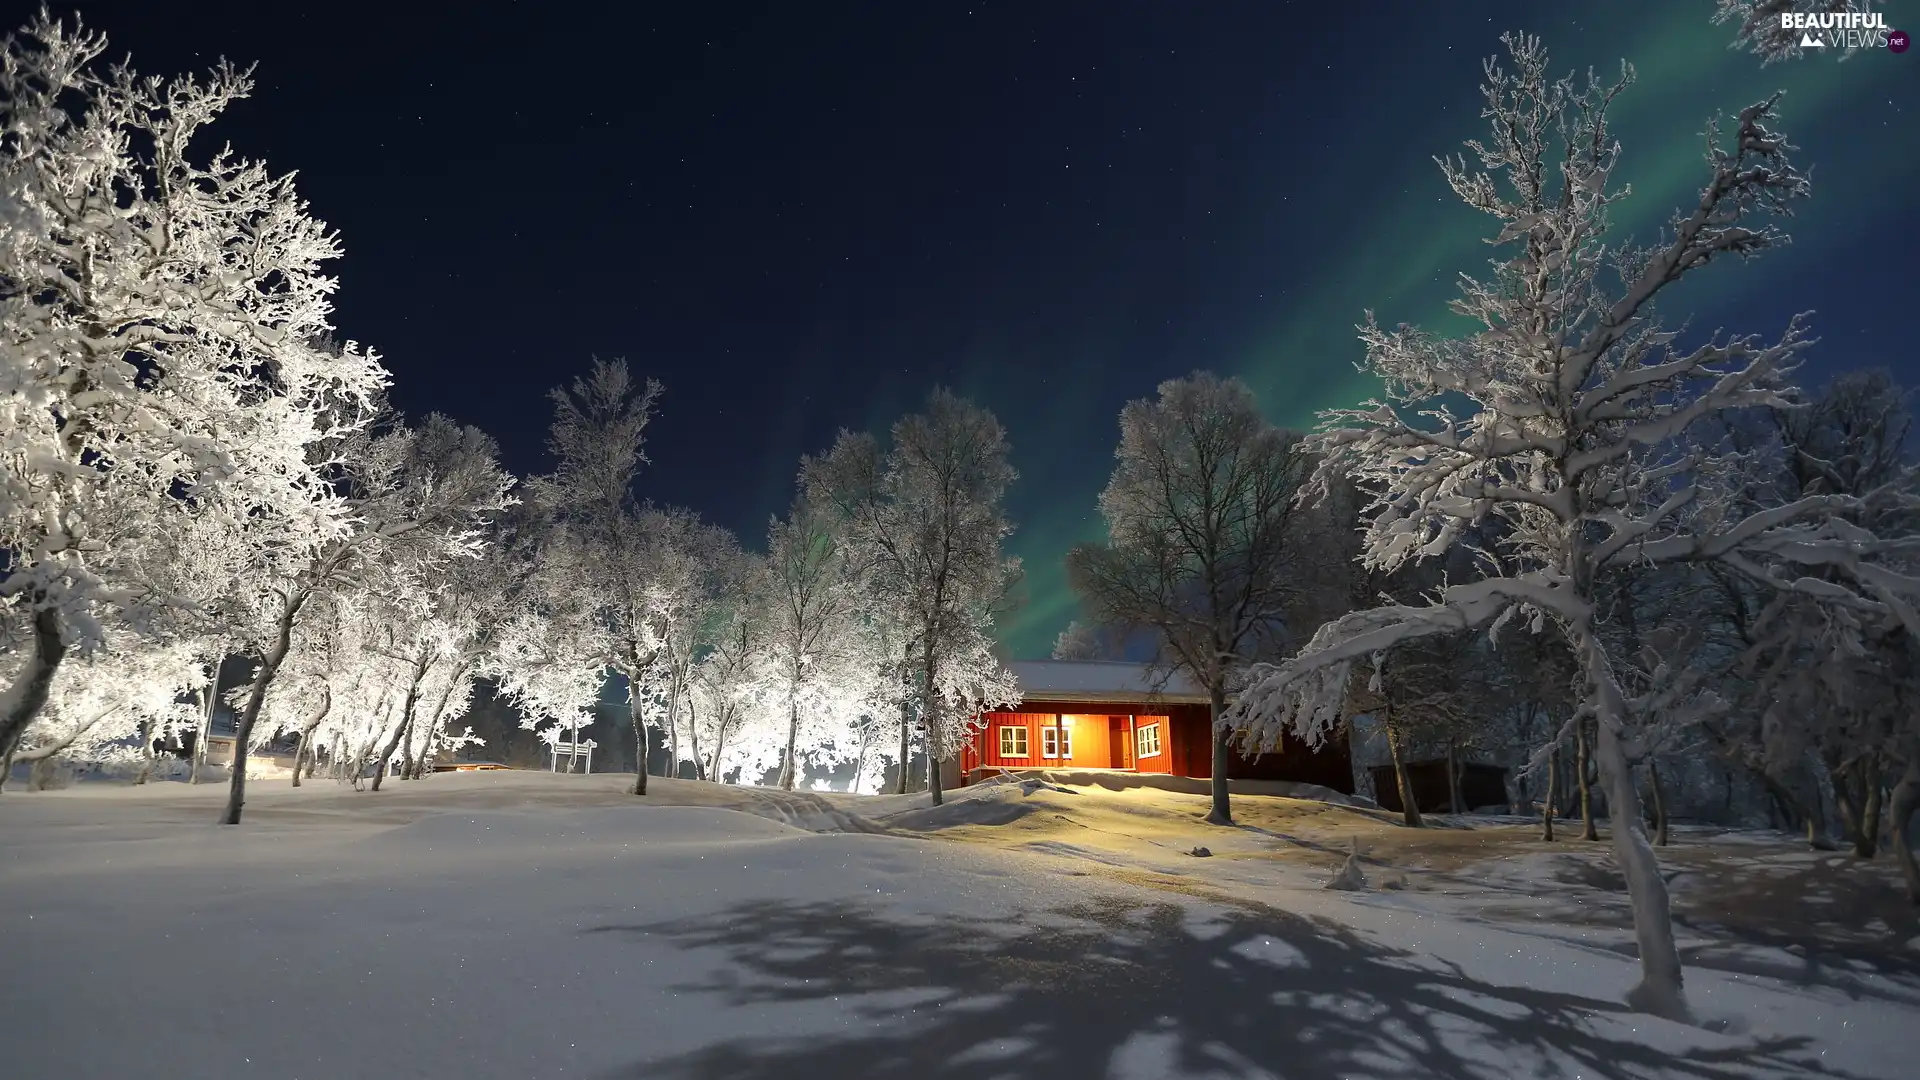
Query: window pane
[[1147, 741]]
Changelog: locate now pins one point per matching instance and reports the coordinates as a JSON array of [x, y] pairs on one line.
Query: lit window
[[1056, 742], [1147, 741], [1013, 742]]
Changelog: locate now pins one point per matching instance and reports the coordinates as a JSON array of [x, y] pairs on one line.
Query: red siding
[[1100, 740], [1087, 741], [1162, 762]]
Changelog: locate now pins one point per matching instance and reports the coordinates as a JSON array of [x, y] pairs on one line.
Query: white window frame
[[1063, 732], [1141, 738], [1006, 742]]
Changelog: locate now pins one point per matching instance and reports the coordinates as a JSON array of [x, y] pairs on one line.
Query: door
[[1119, 743]]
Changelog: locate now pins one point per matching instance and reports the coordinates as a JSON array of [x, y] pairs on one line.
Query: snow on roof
[[1100, 680]]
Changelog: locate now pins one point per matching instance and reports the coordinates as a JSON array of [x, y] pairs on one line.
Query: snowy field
[[531, 926]]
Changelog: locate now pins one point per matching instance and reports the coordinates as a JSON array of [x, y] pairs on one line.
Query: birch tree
[[618, 570], [1200, 516], [1833, 689], [1566, 419], [112, 706], [814, 644], [725, 680], [405, 495], [924, 524], [159, 311]]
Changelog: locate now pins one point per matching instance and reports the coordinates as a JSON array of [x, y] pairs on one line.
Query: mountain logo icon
[[1808, 41]]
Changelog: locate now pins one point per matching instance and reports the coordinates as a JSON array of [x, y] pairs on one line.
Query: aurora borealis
[[800, 219]]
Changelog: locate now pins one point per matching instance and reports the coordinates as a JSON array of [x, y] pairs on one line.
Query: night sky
[[801, 217]]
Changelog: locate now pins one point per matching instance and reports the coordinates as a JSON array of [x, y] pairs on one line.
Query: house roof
[[1102, 680]]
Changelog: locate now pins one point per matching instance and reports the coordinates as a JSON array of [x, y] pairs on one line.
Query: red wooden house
[[1091, 714]]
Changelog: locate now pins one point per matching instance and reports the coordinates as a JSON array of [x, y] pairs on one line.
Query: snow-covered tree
[[726, 680], [113, 706], [330, 653], [158, 315], [472, 603], [625, 585], [1829, 687], [689, 565], [1201, 538], [400, 496], [817, 660], [1564, 420], [923, 522]]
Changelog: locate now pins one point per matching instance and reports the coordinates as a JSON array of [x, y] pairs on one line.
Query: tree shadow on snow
[[1826, 923], [1251, 993]]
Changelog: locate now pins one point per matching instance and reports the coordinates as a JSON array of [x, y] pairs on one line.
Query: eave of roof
[[1113, 697]]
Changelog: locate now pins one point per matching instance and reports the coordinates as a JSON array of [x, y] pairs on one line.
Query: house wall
[[1185, 744], [1097, 737], [1163, 762], [1089, 739], [1099, 741]]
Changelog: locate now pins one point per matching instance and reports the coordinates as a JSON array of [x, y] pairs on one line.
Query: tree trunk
[[1546, 805], [454, 680], [641, 751], [1581, 760], [906, 736], [1409, 807], [1453, 778], [1795, 812], [1905, 802], [146, 753], [405, 772], [1221, 812], [1660, 832], [22, 701], [199, 756], [1660, 991], [1815, 810], [716, 771], [300, 756], [250, 714], [860, 761], [6, 760], [1866, 841], [429, 749], [693, 741], [40, 777], [930, 717], [401, 729], [673, 728], [306, 731], [406, 748], [789, 772], [1843, 802]]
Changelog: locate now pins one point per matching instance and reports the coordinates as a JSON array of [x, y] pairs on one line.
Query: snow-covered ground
[[527, 925]]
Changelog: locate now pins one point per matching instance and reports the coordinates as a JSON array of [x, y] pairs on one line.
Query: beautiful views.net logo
[[1844, 30]]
